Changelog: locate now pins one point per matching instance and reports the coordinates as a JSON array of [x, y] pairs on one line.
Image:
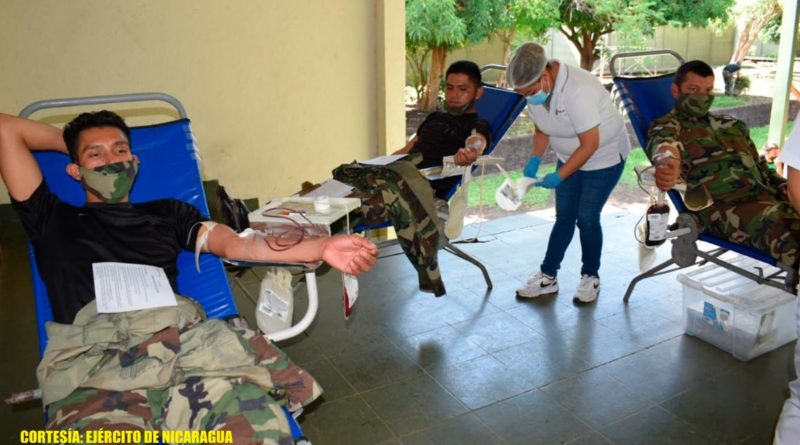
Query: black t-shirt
[[68, 239], [442, 134]]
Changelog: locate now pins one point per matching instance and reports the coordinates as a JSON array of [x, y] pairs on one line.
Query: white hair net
[[526, 65]]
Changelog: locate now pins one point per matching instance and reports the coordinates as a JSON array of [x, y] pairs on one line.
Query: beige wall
[[278, 91]]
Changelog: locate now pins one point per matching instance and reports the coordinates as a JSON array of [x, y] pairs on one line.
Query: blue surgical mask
[[539, 98]]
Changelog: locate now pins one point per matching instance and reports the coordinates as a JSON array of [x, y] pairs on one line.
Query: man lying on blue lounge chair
[[733, 194], [164, 368], [444, 132], [400, 193]]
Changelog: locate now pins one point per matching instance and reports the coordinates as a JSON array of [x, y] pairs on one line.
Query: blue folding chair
[[169, 169], [648, 98], [500, 107]]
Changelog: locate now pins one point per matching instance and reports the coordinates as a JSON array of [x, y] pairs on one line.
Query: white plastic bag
[[458, 207], [349, 293], [510, 193], [275, 301], [647, 254]]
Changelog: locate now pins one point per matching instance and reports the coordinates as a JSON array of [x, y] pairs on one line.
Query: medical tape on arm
[[202, 241], [663, 151]]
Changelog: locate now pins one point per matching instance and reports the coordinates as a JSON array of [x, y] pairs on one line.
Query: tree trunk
[[429, 101], [753, 26], [506, 37], [746, 39], [585, 44], [587, 51], [419, 76]]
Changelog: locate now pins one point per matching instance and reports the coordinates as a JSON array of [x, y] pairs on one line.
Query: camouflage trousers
[[399, 193], [764, 221], [167, 369]]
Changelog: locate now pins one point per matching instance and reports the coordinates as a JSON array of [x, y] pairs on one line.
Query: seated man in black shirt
[[444, 132], [67, 240], [399, 193]]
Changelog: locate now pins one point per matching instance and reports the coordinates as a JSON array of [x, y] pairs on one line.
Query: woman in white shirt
[[574, 116]]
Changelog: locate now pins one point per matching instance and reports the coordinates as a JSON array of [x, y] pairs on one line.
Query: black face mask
[[460, 110]]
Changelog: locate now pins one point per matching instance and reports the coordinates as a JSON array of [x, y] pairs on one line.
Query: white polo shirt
[[790, 153], [579, 102]]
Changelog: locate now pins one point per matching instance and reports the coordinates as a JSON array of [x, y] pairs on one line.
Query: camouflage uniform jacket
[[398, 192], [716, 153], [719, 161], [154, 351]]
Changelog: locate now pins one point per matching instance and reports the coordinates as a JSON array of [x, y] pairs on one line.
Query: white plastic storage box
[[735, 313]]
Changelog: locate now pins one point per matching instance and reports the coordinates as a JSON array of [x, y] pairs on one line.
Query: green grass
[[537, 197], [522, 126], [759, 134], [635, 159], [722, 101]]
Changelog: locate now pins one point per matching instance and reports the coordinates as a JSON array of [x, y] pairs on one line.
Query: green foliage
[[531, 18], [436, 27], [585, 21], [772, 32], [741, 85], [434, 23], [696, 13], [454, 23]]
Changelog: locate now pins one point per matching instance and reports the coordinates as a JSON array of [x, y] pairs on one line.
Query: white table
[[302, 212], [269, 219]]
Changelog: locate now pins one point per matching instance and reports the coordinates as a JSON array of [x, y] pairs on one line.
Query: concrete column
[[390, 22], [783, 73]]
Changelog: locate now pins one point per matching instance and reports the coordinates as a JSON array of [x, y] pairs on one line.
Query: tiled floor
[[485, 368]]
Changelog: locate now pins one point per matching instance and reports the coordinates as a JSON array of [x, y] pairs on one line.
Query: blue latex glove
[[532, 166], [550, 181]]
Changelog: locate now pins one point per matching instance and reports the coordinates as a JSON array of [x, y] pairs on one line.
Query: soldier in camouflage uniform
[[398, 192], [165, 368], [733, 194]]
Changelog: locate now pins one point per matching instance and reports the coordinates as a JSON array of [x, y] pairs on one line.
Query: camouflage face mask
[[696, 105], [110, 182]]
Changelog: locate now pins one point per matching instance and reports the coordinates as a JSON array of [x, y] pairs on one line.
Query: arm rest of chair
[[304, 267]]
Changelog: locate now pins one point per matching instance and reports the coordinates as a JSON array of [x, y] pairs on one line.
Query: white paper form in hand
[[123, 287]]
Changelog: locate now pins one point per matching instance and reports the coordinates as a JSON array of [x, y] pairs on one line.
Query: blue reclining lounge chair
[[648, 98], [500, 107], [169, 169]]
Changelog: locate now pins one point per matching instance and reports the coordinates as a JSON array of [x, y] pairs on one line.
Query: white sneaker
[[588, 289], [539, 284]]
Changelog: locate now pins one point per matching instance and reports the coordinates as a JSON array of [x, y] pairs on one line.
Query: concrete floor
[[485, 368]]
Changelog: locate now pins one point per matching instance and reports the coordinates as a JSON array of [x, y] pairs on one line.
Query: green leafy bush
[[741, 85]]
